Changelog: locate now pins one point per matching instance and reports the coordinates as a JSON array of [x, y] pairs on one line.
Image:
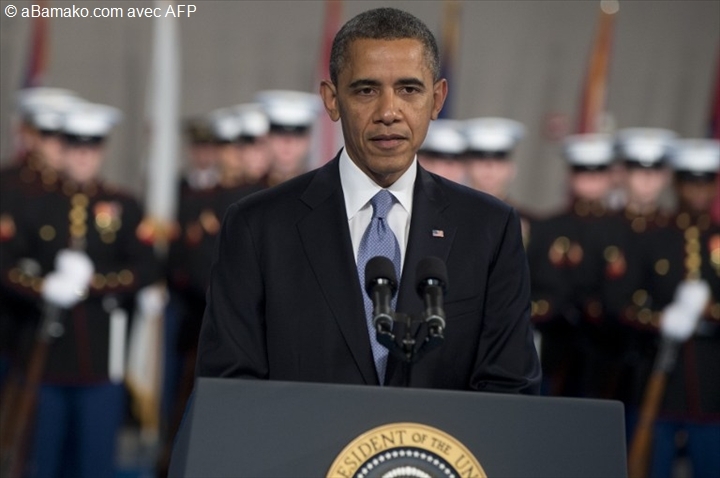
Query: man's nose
[[388, 111]]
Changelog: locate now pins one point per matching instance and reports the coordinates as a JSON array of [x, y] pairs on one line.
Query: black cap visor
[[82, 140]]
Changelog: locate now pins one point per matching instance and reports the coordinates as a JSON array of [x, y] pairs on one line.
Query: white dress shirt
[[359, 188]]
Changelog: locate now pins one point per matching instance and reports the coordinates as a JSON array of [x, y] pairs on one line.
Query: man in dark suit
[[285, 301]]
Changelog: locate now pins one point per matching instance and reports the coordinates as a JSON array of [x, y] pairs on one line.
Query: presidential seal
[[405, 450]]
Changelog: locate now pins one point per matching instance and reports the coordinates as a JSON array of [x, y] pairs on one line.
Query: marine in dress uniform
[[491, 142], [644, 154], [78, 252], [239, 133], [202, 172], [254, 143], [677, 258], [565, 254], [443, 151], [33, 173], [490, 167], [292, 115], [200, 217]]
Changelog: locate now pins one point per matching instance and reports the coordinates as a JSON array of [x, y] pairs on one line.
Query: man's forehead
[[385, 56]]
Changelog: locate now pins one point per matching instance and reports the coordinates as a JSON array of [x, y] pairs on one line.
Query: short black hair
[[383, 24]]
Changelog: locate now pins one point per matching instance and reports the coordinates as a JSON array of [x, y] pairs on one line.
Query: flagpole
[[449, 53], [163, 115], [145, 366], [593, 103]]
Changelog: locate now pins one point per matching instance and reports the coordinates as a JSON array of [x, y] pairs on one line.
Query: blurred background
[[557, 67], [525, 60]]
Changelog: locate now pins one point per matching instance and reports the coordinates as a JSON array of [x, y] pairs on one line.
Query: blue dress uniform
[[81, 401], [566, 253], [688, 249]]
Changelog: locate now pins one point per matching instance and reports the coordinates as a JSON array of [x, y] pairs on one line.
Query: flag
[[449, 51], [593, 104], [35, 72], [36, 67], [714, 132], [144, 375], [327, 136]]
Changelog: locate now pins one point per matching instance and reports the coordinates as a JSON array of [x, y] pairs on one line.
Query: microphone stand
[[410, 348]]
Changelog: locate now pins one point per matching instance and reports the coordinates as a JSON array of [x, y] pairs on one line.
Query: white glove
[[58, 290], [693, 294], [76, 266], [677, 322], [151, 300]]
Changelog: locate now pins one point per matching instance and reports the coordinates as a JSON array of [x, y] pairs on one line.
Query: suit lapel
[[431, 234], [326, 240]]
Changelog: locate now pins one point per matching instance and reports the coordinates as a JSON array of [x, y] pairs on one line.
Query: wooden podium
[[238, 428]]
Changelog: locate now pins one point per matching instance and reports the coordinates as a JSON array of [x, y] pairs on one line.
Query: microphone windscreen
[[431, 268], [379, 267]]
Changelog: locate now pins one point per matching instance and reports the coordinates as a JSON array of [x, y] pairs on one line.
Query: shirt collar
[[359, 188]]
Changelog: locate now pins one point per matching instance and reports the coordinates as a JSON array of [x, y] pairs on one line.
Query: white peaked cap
[[225, 124], [493, 134], [588, 150], [445, 137], [50, 118], [697, 156], [647, 146], [90, 119], [253, 120], [28, 99], [290, 108]]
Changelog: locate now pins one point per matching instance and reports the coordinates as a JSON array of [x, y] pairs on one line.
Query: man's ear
[[440, 91], [328, 92]]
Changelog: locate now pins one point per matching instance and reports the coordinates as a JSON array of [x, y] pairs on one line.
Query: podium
[[238, 428]]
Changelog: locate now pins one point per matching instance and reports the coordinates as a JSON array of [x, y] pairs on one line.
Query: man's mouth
[[388, 141]]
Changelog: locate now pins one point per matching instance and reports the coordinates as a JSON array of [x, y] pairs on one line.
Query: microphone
[[381, 285], [432, 285]]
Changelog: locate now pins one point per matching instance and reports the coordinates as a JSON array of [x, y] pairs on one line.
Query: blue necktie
[[378, 240]]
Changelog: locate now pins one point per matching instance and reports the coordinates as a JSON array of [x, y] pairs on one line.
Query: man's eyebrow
[[410, 81], [360, 82]]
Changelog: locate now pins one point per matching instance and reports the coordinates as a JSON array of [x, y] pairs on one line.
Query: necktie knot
[[381, 204]]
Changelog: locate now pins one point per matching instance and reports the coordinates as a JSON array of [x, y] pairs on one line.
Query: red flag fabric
[[325, 137], [715, 133], [36, 68]]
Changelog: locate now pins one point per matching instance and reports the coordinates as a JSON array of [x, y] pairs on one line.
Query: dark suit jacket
[[285, 302]]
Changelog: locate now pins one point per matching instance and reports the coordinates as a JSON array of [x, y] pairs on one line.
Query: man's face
[[82, 162], [203, 155], [256, 158], [230, 161], [645, 185], [50, 148], [696, 196], [385, 99], [492, 176], [288, 152], [590, 185]]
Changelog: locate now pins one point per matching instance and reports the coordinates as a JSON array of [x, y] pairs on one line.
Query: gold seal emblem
[[405, 450]]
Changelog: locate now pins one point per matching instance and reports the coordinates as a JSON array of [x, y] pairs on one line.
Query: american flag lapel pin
[[438, 233]]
